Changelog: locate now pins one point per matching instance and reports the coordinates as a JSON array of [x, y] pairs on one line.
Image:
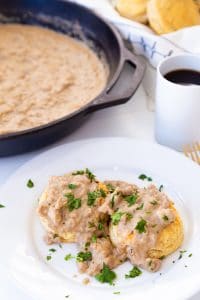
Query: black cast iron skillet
[[126, 69]]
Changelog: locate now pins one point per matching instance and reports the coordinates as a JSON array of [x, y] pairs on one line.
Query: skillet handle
[[126, 84]]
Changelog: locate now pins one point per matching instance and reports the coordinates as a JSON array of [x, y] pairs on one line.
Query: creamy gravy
[[150, 205], [44, 76], [152, 210]]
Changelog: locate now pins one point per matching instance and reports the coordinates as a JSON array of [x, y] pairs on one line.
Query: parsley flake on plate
[[68, 257], [116, 293], [181, 253], [116, 217], [106, 275], [145, 177], [52, 250], [131, 199], [161, 188], [72, 202], [135, 272], [141, 226], [2, 206], [84, 256], [48, 257], [30, 184]]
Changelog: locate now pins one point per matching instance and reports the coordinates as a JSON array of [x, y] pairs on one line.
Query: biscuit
[[133, 9], [168, 15], [168, 241]]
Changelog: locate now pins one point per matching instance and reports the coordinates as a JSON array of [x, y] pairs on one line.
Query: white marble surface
[[132, 119]]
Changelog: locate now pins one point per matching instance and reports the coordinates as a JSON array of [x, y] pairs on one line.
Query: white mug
[[177, 106]]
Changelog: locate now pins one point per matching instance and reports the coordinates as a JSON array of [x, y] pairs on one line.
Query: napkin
[[145, 42]]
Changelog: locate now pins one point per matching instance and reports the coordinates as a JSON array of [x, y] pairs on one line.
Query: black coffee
[[184, 77]]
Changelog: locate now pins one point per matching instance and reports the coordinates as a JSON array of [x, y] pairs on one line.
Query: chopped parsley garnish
[[154, 225], [48, 257], [84, 256], [190, 255], [110, 187], [72, 186], [116, 293], [165, 218], [148, 212], [79, 172], [150, 263], [2, 206], [30, 184], [87, 244], [162, 257], [52, 250], [91, 225], [68, 257], [145, 177], [116, 217], [60, 246], [129, 216], [92, 196], [133, 273], [100, 226], [72, 202], [154, 202], [112, 202], [161, 188], [141, 226], [131, 199], [94, 238], [90, 175], [106, 275], [140, 207], [102, 193], [67, 296]]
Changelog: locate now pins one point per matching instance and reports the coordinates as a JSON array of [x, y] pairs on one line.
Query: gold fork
[[193, 152]]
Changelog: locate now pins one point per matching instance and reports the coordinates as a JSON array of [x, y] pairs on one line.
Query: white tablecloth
[[134, 119]]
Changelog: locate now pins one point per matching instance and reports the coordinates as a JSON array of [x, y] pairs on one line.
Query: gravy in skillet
[[44, 75]]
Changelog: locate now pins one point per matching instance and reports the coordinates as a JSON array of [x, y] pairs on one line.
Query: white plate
[[23, 252]]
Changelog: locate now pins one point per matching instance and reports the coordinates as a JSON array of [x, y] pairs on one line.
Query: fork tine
[[193, 156], [191, 152], [186, 150], [196, 152], [198, 145]]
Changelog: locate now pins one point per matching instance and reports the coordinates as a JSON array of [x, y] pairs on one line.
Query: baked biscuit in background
[[133, 9], [169, 15]]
